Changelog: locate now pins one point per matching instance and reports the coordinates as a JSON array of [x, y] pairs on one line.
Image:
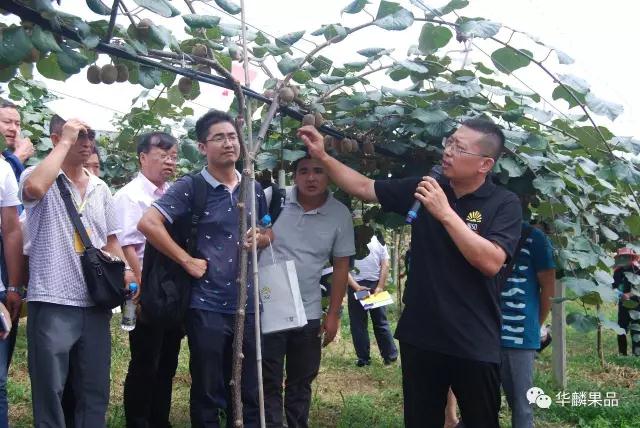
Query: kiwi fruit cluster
[[185, 86], [344, 146], [314, 119], [107, 74]]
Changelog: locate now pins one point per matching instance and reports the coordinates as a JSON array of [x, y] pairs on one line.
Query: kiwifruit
[[336, 145], [269, 93], [345, 146], [235, 54], [199, 50], [318, 119], [296, 90], [108, 74], [123, 73], [185, 85], [368, 148], [308, 119], [93, 74], [32, 56], [368, 165], [286, 95], [328, 142], [144, 28], [203, 68]]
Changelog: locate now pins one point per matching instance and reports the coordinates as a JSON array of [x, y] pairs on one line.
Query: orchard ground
[[347, 396]]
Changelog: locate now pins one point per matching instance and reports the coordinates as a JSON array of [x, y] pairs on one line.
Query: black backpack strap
[[278, 198], [509, 269], [73, 212], [199, 202]]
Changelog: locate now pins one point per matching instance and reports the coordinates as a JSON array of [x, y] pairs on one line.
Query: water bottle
[[129, 311], [265, 221]]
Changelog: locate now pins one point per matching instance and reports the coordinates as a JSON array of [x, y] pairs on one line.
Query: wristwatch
[[20, 290]]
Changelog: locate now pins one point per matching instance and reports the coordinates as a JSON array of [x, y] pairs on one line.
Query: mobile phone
[[4, 325]]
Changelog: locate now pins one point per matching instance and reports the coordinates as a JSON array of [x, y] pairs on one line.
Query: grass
[[347, 396]]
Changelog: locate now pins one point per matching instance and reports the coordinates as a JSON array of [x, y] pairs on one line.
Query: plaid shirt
[[55, 273]]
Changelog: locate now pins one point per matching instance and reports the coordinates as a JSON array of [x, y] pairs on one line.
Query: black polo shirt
[[450, 306]]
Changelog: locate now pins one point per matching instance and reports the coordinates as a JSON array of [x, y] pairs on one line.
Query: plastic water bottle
[[266, 221], [129, 311]]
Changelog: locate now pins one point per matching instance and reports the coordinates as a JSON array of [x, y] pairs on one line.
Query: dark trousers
[[627, 323], [358, 323], [210, 336], [426, 378], [60, 337], [298, 352], [149, 381]]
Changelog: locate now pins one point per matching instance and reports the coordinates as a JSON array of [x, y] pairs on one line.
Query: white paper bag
[[280, 296]]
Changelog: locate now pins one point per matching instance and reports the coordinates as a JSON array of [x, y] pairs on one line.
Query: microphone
[[436, 173]]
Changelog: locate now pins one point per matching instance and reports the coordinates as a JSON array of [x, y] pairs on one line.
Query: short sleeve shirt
[[310, 239], [451, 307], [8, 194], [55, 272], [218, 240], [520, 295], [130, 204], [368, 269]]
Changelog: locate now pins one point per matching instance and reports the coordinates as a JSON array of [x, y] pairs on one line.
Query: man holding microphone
[[465, 231]]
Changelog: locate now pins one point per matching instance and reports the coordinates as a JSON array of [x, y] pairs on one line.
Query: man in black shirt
[[627, 265], [466, 230]]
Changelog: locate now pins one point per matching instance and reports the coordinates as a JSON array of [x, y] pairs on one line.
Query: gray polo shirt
[[55, 273], [310, 239]]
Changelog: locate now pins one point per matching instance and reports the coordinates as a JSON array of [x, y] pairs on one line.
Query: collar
[[293, 198], [93, 180], [484, 191], [215, 183], [148, 186]]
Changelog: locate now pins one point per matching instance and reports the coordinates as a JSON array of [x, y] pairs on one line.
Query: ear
[[55, 139], [202, 148], [487, 165]]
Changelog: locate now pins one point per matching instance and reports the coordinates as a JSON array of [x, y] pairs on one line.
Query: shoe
[[389, 361], [362, 362]]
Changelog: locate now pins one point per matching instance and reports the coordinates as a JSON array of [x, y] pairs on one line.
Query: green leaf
[[603, 278], [289, 39], [548, 185], [513, 168], [8, 73], [228, 6], [71, 61], [479, 28], [26, 69], [582, 323], [391, 16], [44, 40], [293, 155], [608, 233], [301, 76], [451, 6], [429, 116], [175, 96], [201, 21], [413, 66], [508, 60], [611, 325], [331, 79], [355, 6], [156, 6], [633, 223], [576, 83], [49, 68], [14, 45], [536, 142], [98, 7], [149, 77], [564, 93], [371, 52], [167, 78], [335, 31], [563, 58], [603, 108], [433, 37], [288, 65]]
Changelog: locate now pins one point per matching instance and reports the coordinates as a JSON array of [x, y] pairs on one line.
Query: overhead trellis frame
[[104, 47]]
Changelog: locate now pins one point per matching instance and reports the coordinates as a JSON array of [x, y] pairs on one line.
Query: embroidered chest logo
[[474, 218]]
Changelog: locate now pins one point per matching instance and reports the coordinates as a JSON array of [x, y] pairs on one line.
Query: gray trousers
[[516, 372], [61, 339]]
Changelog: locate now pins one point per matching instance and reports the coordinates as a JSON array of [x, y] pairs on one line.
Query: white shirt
[[368, 269], [130, 204], [8, 193]]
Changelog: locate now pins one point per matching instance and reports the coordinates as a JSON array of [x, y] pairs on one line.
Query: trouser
[[149, 381], [358, 320], [298, 352], [516, 373], [629, 325], [6, 349], [426, 378], [210, 336], [60, 338]]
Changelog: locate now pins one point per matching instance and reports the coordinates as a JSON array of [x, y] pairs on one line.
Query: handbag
[[103, 273], [280, 296]]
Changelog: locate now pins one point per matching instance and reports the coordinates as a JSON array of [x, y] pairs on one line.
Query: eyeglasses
[[89, 134], [449, 144], [163, 157], [221, 138]]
